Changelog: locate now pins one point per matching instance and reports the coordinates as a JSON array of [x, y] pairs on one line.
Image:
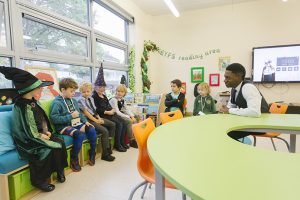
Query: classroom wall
[[138, 32], [235, 30]]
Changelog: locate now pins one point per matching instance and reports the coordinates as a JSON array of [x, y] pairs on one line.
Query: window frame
[[7, 28], [40, 18]]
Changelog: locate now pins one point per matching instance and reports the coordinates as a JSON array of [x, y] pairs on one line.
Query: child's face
[[120, 93], [36, 92], [100, 90], [202, 91], [68, 93], [86, 92], [174, 88]]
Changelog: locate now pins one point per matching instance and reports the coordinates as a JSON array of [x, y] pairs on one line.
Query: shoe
[[75, 165], [61, 177], [92, 158], [46, 187], [108, 158], [125, 146], [121, 149], [109, 150], [133, 144]]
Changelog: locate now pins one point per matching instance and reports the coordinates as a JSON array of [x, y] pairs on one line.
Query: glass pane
[[73, 9], [108, 22], [4, 83], [110, 54], [78, 73], [112, 79], [2, 26], [38, 35]]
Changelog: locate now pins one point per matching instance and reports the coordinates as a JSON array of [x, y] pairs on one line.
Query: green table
[[197, 156]]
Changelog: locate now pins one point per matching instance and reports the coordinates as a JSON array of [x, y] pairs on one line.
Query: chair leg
[[150, 184], [273, 144], [135, 189], [183, 196], [254, 140], [144, 190], [286, 143]]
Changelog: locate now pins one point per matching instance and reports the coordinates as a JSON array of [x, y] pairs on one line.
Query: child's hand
[[89, 124], [48, 134], [113, 110], [44, 136], [109, 112], [101, 121], [133, 119], [75, 114]]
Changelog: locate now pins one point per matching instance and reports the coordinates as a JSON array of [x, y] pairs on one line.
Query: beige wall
[[233, 29]]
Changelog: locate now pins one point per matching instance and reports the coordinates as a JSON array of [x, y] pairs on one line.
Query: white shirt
[[253, 99]]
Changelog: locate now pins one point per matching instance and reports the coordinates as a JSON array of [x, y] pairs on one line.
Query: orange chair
[[276, 109], [170, 116], [145, 167], [184, 106]]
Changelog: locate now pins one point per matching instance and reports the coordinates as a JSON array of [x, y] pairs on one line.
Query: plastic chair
[[276, 109], [145, 167], [184, 106], [170, 116]]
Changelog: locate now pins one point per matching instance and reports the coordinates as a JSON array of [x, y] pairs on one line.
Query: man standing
[[245, 99]]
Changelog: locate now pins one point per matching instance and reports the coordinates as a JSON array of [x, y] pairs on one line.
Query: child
[[119, 105], [204, 103], [175, 99], [105, 111], [87, 106], [68, 120], [32, 132]]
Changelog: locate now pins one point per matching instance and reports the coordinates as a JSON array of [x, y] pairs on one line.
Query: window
[[78, 73], [3, 42], [73, 9], [38, 35], [108, 22], [110, 54], [112, 79], [4, 83]]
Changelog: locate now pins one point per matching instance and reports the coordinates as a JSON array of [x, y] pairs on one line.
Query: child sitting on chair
[[204, 103], [87, 106], [32, 133], [68, 120], [175, 99], [119, 105]]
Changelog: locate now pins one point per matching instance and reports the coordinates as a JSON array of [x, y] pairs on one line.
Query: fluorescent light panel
[[172, 7]]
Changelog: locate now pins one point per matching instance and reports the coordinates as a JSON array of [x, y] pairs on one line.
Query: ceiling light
[[171, 6]]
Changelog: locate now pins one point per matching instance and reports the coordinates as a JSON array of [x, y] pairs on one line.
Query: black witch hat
[[100, 77], [24, 81]]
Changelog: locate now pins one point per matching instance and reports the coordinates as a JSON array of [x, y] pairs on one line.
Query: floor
[[105, 181], [114, 181]]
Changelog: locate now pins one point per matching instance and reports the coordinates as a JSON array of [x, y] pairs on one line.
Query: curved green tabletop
[[197, 156]]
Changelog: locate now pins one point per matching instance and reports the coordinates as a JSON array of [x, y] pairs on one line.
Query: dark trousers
[[241, 134], [120, 128], [103, 132], [56, 161]]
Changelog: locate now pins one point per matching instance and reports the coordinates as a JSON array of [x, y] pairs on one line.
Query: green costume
[[28, 140]]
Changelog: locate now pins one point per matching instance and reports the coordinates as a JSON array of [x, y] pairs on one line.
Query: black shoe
[[125, 146], [92, 158], [61, 177], [74, 164], [108, 158], [121, 149], [133, 144], [46, 187]]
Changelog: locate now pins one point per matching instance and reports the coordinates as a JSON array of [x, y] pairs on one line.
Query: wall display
[[214, 79], [223, 63], [197, 74], [45, 74], [183, 87], [131, 78]]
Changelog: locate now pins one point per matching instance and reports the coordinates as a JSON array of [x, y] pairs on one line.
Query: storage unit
[[19, 184]]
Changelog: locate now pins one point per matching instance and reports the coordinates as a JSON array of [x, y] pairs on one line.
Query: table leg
[[159, 186], [293, 143]]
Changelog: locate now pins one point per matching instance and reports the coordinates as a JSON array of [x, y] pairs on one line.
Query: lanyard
[[67, 104], [203, 103]]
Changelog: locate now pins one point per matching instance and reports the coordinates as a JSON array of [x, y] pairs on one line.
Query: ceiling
[[158, 7]]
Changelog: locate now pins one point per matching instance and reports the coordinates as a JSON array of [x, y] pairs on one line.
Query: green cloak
[[29, 143]]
